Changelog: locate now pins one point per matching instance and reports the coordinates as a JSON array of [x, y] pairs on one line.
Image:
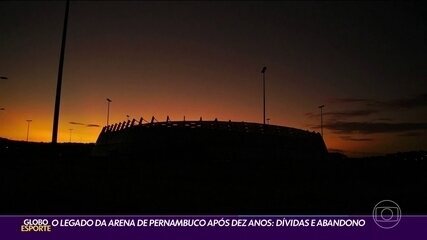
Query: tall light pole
[[263, 90], [59, 83], [321, 119], [28, 128], [3, 77], [108, 110], [71, 130]]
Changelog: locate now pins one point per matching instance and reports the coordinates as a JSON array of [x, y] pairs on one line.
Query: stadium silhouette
[[203, 167]]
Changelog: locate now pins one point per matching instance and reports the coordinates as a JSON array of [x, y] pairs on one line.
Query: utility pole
[[321, 119], [28, 128], [263, 90], [71, 130]]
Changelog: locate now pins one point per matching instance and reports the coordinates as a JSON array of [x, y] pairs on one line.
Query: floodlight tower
[[263, 90], [28, 127], [71, 130], [108, 110], [321, 118]]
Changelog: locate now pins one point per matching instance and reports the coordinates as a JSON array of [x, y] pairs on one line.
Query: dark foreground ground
[[38, 178]]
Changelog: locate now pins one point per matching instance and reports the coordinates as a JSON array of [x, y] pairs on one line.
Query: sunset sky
[[366, 62]]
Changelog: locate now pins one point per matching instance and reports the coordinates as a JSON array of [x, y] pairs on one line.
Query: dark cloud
[[343, 114], [412, 134], [77, 123], [351, 113], [373, 127], [413, 102], [384, 119], [84, 124], [311, 115], [403, 103], [349, 100], [350, 138]]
